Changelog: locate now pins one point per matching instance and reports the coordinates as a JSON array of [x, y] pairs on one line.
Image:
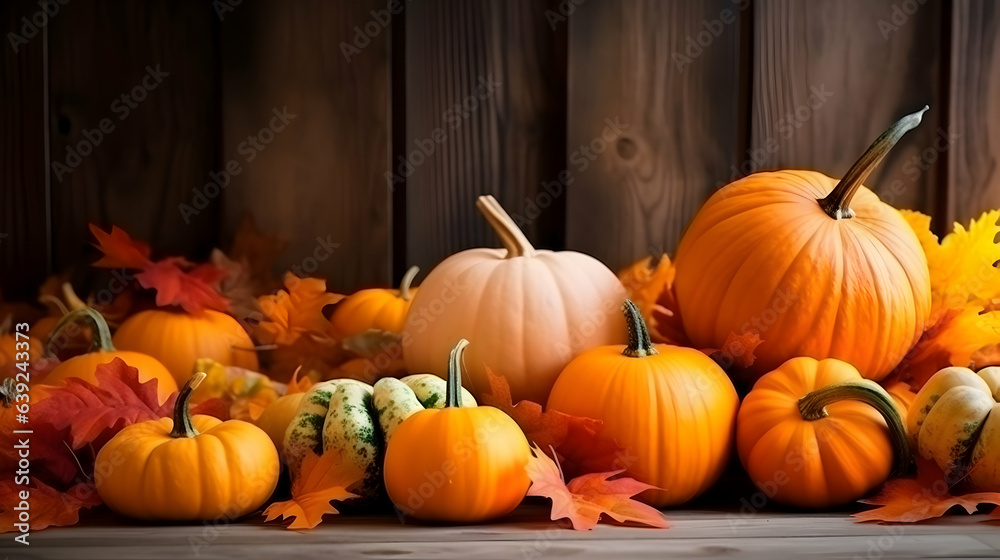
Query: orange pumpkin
[[816, 267], [276, 418], [187, 468], [179, 339], [526, 312], [103, 351], [816, 434], [457, 464], [374, 308], [672, 408]]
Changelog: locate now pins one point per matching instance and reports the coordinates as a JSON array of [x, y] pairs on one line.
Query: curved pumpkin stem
[[102, 334], [813, 407], [73, 300], [513, 238], [837, 203], [639, 343], [453, 393], [183, 427], [404, 286], [52, 302]]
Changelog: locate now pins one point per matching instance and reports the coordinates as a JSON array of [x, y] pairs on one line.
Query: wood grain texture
[[320, 181], [524, 534], [485, 98], [24, 239], [974, 112], [163, 138], [641, 63], [831, 75]]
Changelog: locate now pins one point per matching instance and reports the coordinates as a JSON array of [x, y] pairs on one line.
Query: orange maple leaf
[[120, 250], [574, 438], [587, 497], [929, 495], [295, 311], [320, 480], [48, 507]]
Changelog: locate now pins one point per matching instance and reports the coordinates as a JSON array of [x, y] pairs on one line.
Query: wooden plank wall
[[601, 124]]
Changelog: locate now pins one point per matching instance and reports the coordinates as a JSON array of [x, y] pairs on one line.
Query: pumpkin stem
[[404, 286], [71, 298], [639, 343], [836, 204], [8, 392], [813, 407], [52, 302], [453, 393], [102, 334], [513, 238], [183, 427]]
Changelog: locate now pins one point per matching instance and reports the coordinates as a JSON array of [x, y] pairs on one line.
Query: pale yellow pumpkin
[[526, 312]]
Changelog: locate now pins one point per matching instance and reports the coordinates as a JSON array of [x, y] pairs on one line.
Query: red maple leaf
[[194, 290], [120, 250], [928, 495], [48, 506], [586, 498], [575, 439]]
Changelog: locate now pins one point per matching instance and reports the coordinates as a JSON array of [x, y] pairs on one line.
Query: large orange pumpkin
[[179, 339], [525, 312], [671, 407], [816, 267], [374, 308], [816, 434], [103, 351]]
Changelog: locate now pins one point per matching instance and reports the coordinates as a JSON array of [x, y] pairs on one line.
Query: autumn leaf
[[257, 251], [299, 384], [120, 250], [320, 480], [961, 266], [927, 496], [956, 337], [295, 311], [117, 400], [586, 498], [48, 506], [191, 288], [575, 439], [649, 283]]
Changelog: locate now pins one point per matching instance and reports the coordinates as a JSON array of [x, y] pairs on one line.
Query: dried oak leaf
[[120, 250], [49, 507], [319, 480], [575, 439], [586, 498], [927, 496]]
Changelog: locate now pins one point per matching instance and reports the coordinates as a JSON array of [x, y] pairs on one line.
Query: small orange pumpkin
[[672, 408], [457, 464], [374, 308], [103, 351], [816, 267], [178, 339], [276, 418], [815, 434], [187, 468]]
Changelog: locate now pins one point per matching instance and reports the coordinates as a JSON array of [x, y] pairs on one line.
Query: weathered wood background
[[600, 124]]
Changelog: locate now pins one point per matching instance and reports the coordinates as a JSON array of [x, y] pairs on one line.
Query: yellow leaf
[[962, 266]]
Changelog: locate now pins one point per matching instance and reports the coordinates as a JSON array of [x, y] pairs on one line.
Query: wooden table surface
[[526, 534]]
